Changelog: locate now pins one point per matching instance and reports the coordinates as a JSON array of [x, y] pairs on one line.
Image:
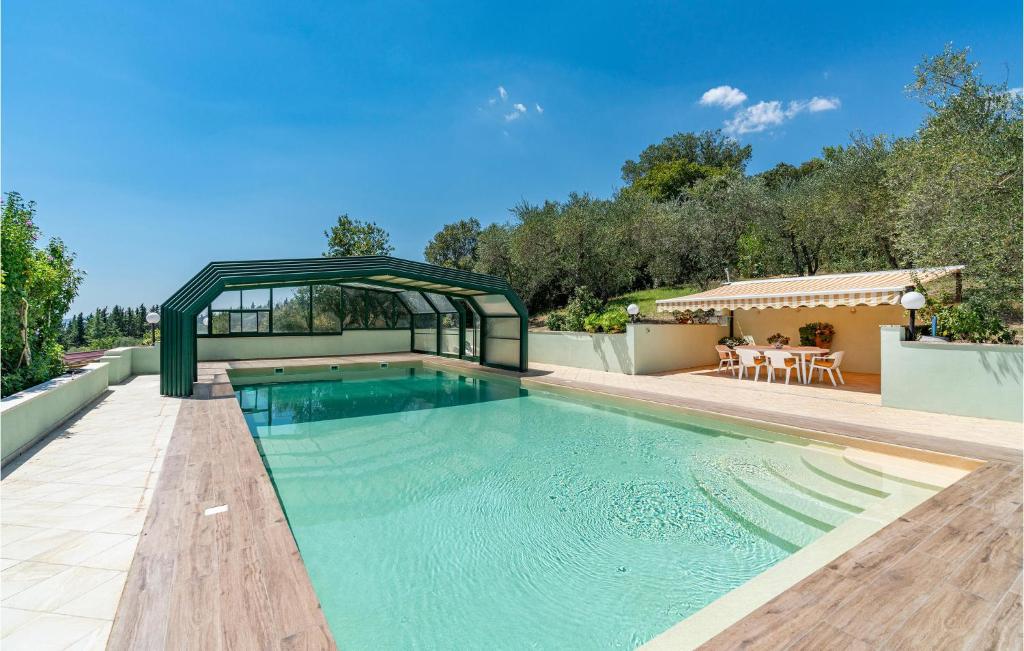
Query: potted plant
[[817, 333], [778, 340], [823, 335], [731, 342]]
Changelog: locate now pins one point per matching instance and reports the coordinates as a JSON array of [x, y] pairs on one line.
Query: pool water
[[434, 510]]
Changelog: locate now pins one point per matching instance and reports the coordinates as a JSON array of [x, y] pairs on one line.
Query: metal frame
[[178, 350]]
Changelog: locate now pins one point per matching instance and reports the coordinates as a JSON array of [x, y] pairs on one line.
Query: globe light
[[633, 309], [913, 300], [153, 318]]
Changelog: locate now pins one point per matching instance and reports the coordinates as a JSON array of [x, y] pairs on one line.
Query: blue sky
[[156, 137]]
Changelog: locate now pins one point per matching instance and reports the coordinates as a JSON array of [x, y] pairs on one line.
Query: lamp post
[[632, 310], [152, 319], [913, 301]]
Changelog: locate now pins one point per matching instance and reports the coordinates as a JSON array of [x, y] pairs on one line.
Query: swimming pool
[[435, 510]]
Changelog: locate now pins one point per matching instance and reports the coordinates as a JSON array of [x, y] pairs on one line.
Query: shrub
[[556, 321], [966, 322], [610, 321], [693, 316], [582, 304]]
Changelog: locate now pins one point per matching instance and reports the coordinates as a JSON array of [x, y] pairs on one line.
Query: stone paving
[[71, 510]]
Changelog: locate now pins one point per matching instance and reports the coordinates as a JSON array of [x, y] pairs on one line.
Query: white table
[[801, 352]]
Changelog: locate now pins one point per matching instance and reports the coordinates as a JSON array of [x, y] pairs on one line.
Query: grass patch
[[645, 299]]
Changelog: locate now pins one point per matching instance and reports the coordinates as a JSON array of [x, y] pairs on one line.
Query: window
[[327, 308], [288, 310], [291, 309]]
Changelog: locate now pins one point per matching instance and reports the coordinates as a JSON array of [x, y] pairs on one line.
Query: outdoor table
[[801, 352]]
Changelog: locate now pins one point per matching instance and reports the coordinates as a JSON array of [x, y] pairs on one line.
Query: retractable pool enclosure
[[445, 311]]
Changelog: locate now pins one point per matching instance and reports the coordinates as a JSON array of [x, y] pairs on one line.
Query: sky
[[158, 136]]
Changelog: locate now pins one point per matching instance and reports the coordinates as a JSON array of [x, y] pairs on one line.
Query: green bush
[[967, 322], [731, 342], [582, 304], [556, 321], [610, 321]]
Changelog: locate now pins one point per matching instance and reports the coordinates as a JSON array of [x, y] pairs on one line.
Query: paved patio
[[74, 506], [72, 510]]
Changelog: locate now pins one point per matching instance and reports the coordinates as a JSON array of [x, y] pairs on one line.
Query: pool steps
[[791, 503]]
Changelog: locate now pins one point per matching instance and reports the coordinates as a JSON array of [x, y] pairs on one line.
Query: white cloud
[[823, 104], [517, 112], [502, 93], [765, 115], [540, 109], [724, 96], [756, 118]]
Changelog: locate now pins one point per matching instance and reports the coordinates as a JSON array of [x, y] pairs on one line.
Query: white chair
[[727, 359], [750, 340], [829, 363], [780, 360], [750, 359]]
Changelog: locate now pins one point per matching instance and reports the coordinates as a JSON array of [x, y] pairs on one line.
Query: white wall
[[599, 352], [353, 342], [642, 349], [982, 380]]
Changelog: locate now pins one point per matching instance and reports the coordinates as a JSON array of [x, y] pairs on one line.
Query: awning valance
[[868, 288]]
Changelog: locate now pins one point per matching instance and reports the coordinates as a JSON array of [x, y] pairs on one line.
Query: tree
[[957, 183], [354, 237], [665, 170], [36, 290], [455, 245]]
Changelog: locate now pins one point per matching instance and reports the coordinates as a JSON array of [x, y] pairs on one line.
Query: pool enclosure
[[445, 311]]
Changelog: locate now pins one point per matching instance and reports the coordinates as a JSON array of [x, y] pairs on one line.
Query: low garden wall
[[353, 342], [642, 349], [982, 380]]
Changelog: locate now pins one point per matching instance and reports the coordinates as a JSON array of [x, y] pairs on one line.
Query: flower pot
[[820, 343]]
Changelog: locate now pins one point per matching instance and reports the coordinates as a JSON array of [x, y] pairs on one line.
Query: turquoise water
[[438, 511]]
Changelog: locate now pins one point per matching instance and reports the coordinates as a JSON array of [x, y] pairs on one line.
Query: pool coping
[[214, 376]]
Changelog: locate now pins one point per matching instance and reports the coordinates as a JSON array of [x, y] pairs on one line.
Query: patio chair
[[750, 340], [780, 360], [727, 359], [829, 363], [750, 359]]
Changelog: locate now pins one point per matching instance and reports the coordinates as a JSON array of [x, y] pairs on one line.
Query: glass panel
[[291, 309], [354, 308], [503, 328], [256, 299], [327, 306], [219, 323], [249, 320], [381, 310], [425, 322], [495, 304], [203, 323], [416, 302], [263, 321], [401, 317], [236, 321], [228, 300], [450, 320], [441, 303]]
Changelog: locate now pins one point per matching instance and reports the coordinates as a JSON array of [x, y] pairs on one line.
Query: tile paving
[[71, 512]]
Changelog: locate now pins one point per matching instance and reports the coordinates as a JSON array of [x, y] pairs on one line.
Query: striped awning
[[868, 288]]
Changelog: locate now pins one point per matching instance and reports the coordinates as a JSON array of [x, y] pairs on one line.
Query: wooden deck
[[946, 575]]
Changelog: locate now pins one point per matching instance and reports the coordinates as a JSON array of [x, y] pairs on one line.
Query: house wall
[[982, 380], [856, 329]]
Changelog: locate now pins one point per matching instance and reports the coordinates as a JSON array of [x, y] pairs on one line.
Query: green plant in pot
[[778, 340], [817, 333]]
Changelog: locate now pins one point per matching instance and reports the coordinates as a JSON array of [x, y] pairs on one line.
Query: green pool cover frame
[[490, 297]]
